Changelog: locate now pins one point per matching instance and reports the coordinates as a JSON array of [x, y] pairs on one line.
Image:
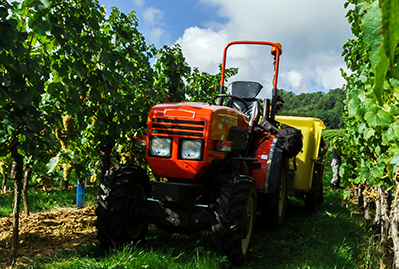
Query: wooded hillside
[[328, 107]]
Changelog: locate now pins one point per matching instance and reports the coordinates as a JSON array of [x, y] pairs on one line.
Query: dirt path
[[45, 234]]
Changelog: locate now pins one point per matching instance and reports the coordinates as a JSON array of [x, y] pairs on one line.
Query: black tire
[[235, 212], [280, 207], [272, 206], [315, 198], [275, 204], [119, 197]]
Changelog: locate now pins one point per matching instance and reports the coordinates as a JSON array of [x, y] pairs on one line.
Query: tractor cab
[[250, 105]]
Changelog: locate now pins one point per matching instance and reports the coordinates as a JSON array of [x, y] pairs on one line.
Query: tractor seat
[[247, 90]]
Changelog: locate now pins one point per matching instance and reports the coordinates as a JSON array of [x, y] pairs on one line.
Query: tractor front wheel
[[118, 200], [235, 213]]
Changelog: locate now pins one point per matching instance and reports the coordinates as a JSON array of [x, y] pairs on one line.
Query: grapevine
[[67, 169], [371, 194], [371, 143], [45, 181], [62, 138], [71, 61], [2, 167], [94, 176], [68, 124]]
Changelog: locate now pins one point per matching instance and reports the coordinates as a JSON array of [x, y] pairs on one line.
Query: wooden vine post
[[16, 175], [395, 222]]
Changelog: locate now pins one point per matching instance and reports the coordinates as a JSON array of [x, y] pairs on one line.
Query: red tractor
[[215, 168]]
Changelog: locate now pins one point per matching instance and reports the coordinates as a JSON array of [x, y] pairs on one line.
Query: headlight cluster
[[191, 149], [162, 147]]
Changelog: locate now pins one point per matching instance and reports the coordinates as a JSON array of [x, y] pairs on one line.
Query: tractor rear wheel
[[235, 212], [118, 200], [272, 206]]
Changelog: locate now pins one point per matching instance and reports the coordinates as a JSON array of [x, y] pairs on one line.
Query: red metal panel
[[193, 121], [262, 154]]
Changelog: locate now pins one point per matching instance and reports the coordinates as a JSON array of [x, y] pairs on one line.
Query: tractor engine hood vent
[[177, 127]]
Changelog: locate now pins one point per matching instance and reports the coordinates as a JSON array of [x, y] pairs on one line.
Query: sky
[[312, 33]]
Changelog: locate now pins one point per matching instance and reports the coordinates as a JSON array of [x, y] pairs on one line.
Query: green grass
[[161, 251], [40, 200], [326, 238]]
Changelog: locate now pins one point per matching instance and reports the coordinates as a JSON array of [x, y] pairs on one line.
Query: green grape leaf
[[376, 172], [365, 175], [369, 134], [84, 140], [381, 118], [25, 96], [395, 66], [52, 164], [79, 70], [395, 159], [371, 105], [381, 69], [384, 117], [40, 25], [353, 106], [371, 119], [40, 5], [390, 26], [393, 131], [362, 127], [371, 26]]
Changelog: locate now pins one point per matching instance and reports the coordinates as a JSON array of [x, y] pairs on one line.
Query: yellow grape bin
[[311, 130]]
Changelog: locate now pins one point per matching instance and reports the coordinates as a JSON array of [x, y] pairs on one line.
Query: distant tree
[[328, 107]]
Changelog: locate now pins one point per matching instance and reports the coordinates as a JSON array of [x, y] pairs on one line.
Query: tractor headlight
[[160, 146], [191, 149]]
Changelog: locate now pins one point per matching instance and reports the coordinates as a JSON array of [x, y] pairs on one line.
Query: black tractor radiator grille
[[178, 127]]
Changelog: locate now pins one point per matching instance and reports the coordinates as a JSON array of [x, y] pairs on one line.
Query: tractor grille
[[178, 127]]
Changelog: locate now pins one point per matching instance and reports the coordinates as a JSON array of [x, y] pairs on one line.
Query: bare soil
[[47, 234]]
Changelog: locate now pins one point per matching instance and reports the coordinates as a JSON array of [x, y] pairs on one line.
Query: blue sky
[[312, 33], [172, 17]]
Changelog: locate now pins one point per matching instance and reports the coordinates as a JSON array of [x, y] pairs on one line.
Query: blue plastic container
[[80, 194]]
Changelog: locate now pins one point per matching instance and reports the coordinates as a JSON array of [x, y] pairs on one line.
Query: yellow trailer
[[305, 170]]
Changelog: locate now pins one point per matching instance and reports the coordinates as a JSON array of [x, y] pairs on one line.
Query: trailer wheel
[[235, 214], [118, 200], [315, 198]]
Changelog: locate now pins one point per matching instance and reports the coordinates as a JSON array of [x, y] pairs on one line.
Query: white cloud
[[294, 78], [203, 47], [329, 77], [152, 15], [155, 34], [139, 3], [153, 24], [312, 33]]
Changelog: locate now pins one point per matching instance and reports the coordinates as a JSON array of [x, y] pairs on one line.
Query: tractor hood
[[201, 123]]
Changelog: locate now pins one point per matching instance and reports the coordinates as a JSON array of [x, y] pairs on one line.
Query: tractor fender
[[273, 166]]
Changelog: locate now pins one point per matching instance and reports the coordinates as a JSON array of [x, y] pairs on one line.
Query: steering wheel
[[233, 97]]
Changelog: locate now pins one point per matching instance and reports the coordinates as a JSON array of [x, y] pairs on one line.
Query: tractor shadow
[[319, 238]]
